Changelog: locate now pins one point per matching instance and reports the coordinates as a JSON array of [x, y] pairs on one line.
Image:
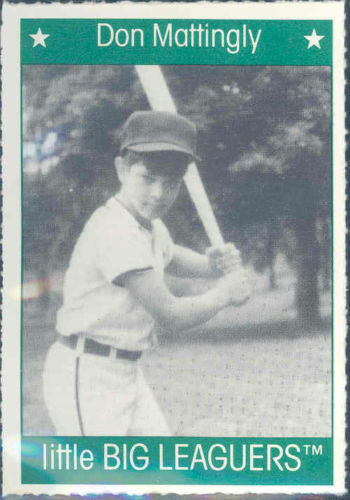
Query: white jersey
[[111, 244]]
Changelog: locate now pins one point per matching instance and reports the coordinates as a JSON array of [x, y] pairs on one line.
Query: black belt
[[93, 347]]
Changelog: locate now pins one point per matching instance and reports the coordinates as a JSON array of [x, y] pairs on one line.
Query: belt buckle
[[112, 353], [80, 345]]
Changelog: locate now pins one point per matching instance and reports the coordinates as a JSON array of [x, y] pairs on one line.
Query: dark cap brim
[[150, 147]]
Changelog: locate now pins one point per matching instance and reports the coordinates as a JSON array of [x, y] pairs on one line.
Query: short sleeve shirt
[[111, 244]]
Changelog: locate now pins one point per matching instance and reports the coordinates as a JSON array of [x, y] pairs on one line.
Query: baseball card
[[174, 285]]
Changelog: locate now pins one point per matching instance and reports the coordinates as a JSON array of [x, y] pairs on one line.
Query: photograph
[[177, 265]]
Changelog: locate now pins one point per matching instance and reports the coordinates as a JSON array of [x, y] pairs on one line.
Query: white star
[[39, 38], [314, 39]]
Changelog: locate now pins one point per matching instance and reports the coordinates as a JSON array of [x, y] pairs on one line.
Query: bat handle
[[199, 197]]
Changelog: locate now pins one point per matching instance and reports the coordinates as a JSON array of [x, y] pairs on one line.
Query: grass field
[[248, 372]]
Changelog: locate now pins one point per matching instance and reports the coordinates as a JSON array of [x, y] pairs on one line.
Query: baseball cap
[[150, 131]]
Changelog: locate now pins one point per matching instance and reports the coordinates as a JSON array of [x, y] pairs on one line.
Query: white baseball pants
[[92, 395]]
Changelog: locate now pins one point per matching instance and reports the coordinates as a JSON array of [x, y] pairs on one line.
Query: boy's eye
[[170, 183], [174, 182], [148, 178]]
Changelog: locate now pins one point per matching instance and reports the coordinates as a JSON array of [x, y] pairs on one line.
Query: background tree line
[[265, 141]]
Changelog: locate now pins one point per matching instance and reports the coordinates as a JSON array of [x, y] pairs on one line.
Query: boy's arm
[[189, 264], [217, 261], [180, 286], [184, 312]]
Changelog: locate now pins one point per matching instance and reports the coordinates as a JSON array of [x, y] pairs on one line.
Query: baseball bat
[[160, 99]]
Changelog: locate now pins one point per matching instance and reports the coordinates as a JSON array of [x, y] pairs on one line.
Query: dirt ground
[[251, 372]]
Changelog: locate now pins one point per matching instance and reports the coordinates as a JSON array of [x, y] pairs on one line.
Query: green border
[[332, 258], [332, 248], [21, 301]]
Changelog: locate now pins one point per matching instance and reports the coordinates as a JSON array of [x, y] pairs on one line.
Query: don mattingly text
[[196, 36]]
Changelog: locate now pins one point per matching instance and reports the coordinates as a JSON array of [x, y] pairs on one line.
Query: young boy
[[115, 290]]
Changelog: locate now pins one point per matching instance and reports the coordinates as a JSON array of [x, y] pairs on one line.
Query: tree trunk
[[42, 270], [43, 291], [273, 235], [326, 254], [307, 265], [272, 275], [326, 275]]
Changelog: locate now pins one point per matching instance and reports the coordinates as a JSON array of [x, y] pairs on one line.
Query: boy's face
[[148, 188]]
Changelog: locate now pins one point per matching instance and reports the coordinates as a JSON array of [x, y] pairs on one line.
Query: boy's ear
[[120, 167]]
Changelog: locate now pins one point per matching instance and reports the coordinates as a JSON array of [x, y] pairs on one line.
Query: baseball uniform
[[93, 381]]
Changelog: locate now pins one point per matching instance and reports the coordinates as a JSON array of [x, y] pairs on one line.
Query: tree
[[298, 154], [71, 120]]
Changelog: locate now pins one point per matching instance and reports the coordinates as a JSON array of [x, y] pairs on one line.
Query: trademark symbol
[[313, 449]]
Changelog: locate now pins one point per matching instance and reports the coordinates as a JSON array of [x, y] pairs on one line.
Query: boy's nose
[[157, 190]]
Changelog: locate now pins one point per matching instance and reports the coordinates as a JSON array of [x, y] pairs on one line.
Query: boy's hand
[[223, 259], [235, 287]]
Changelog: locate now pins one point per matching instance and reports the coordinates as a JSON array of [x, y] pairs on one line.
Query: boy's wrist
[[213, 272], [221, 297]]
